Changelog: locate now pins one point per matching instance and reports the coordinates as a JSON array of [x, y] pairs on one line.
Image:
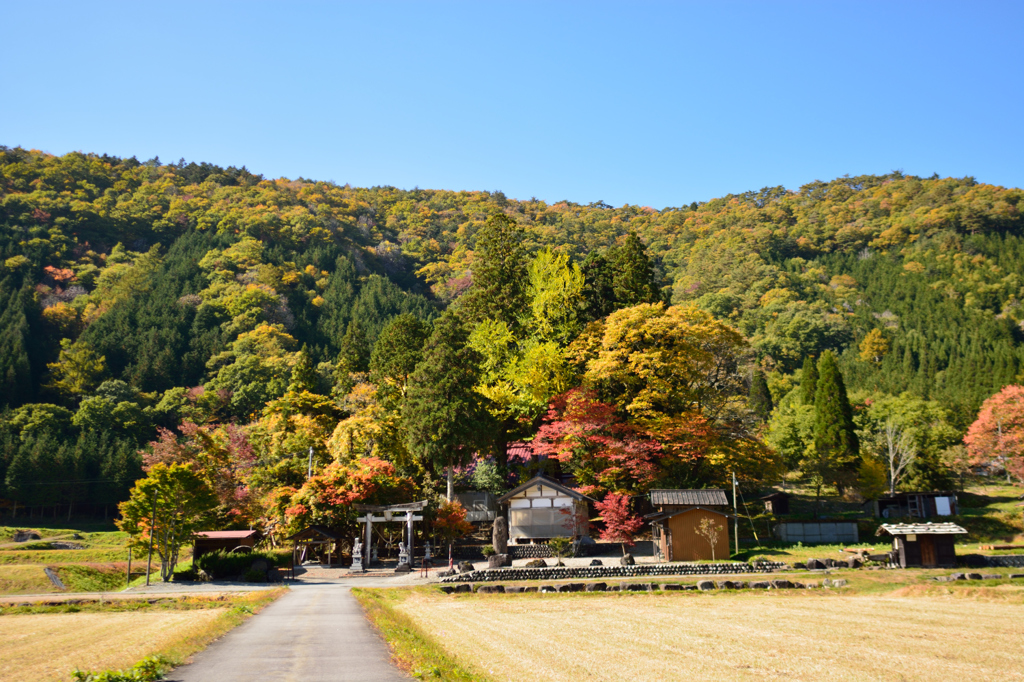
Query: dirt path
[[315, 633]]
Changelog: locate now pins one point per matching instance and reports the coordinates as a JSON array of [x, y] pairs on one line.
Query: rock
[[491, 589], [614, 588], [403, 568], [854, 562], [705, 585], [497, 561], [536, 563], [596, 562], [671, 587], [77, 536], [571, 587], [446, 589], [878, 557], [1015, 576], [596, 587], [811, 585], [547, 588], [799, 564], [815, 565], [532, 588], [994, 576], [782, 584], [463, 588], [627, 560], [445, 574], [499, 535], [727, 585], [514, 590], [840, 583], [958, 576], [761, 585], [26, 535], [465, 567], [974, 576]]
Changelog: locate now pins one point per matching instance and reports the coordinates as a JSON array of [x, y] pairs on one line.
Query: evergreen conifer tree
[[498, 291], [443, 416], [598, 286], [808, 381], [634, 282], [398, 350], [760, 397], [355, 348], [835, 441]]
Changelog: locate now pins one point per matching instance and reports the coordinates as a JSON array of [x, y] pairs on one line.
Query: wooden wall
[[687, 545]]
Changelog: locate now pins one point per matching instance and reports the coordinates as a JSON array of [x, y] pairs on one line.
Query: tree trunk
[[451, 482]]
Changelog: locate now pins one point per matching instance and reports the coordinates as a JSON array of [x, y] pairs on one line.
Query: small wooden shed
[[541, 509], [927, 545], [684, 498], [776, 503], [310, 540], [227, 540], [677, 538], [920, 505]]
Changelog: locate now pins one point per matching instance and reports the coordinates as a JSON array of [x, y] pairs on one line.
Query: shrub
[[148, 669], [254, 576], [488, 550], [560, 547], [220, 565]]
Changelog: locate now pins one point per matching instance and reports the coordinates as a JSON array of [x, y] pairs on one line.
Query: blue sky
[[644, 103]]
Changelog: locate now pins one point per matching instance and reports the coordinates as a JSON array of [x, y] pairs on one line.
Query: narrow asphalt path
[[314, 633]]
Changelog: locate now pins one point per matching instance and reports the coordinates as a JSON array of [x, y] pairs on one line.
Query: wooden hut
[[541, 509], [928, 545], [921, 505], [314, 540], [677, 538], [227, 540], [776, 503]]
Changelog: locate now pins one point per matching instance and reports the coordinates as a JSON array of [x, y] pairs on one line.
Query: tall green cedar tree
[[760, 397], [398, 350], [498, 291], [835, 441], [445, 422], [634, 281], [808, 381], [355, 348], [598, 286]]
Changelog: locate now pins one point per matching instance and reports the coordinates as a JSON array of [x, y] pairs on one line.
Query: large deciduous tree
[[997, 435], [178, 499]]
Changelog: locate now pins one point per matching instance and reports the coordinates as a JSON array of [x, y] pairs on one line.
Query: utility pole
[[736, 517], [152, 532]]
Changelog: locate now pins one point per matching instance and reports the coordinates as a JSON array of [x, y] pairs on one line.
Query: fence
[[824, 532]]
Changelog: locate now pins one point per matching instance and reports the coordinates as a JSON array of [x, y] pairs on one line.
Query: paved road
[[315, 633]]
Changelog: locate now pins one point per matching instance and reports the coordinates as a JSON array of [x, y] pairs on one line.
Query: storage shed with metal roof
[[684, 498], [927, 545]]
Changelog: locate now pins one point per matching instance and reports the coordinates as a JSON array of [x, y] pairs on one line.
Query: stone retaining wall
[[569, 573], [1006, 561]]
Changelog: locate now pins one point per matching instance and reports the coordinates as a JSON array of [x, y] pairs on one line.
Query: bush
[[148, 669], [254, 576], [488, 550], [221, 565]]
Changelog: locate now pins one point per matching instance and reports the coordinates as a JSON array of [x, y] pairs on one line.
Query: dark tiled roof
[[710, 497]]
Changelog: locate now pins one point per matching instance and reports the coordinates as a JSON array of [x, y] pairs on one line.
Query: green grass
[[413, 650]]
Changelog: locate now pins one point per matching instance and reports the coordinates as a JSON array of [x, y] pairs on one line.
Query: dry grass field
[[914, 633], [36, 647]]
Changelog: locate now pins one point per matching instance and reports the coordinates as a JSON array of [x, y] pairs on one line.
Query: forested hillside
[[194, 306]]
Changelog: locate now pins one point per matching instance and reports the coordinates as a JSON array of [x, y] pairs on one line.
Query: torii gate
[[387, 516]]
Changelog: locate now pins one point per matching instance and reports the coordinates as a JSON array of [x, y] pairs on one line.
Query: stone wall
[[642, 570], [1006, 561]]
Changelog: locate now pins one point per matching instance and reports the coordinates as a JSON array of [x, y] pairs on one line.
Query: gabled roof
[[547, 483], [776, 495], [710, 497], [661, 516], [927, 493], [315, 531], [227, 534], [920, 529]]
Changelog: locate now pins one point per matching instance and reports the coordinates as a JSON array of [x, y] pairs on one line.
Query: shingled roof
[[710, 497], [920, 529]]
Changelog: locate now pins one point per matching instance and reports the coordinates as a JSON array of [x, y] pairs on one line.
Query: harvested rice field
[[911, 634], [38, 647]]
